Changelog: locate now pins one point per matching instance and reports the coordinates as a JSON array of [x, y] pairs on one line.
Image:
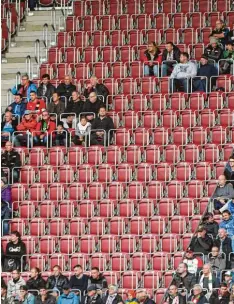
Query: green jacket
[[227, 54]]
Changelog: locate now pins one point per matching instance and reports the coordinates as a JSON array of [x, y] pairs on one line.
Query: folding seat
[[47, 209], [119, 261], [132, 37], [95, 191], [38, 226], [211, 186], [79, 259], [187, 36], [215, 101], [204, 34], [110, 84], [206, 118], [135, 190], [94, 155], [93, 7], [180, 136], [77, 226], [27, 175], [146, 85], [113, 155], [163, 172], [108, 244], [37, 192], [194, 222], [187, 118], [124, 173], [149, 243], [46, 174], [168, 119], [88, 244], [47, 244], [103, 23], [149, 119], [225, 82], [140, 261], [113, 7], [76, 191], [195, 189], [166, 207], [106, 54], [117, 225], [98, 69], [96, 38], [130, 280], [155, 190], [183, 172], [97, 226], [123, 53], [168, 6], [105, 173], [57, 226], [196, 52], [160, 136], [66, 174], [202, 205], [226, 117], [85, 174], [160, 262], [141, 137], [30, 243], [168, 35], [171, 154], [56, 156], [18, 225], [157, 102], [75, 156], [169, 243], [218, 135], [116, 70], [37, 260], [114, 38], [151, 35], [175, 189], [126, 208], [198, 135], [137, 225], [99, 260], [73, 23], [141, 21], [125, 86], [111, 277], [177, 101], [54, 56], [81, 71], [18, 192], [135, 69], [56, 191], [144, 173], [67, 209], [26, 209], [194, 20], [122, 22], [128, 243], [178, 225], [159, 295], [152, 154], [176, 21], [85, 209], [157, 225], [210, 153], [203, 171], [227, 151], [185, 207], [115, 190]]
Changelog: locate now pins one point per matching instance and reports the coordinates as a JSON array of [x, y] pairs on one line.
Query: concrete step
[[17, 60], [6, 77]]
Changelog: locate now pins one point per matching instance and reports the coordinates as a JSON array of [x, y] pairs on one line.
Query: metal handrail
[[28, 66], [45, 34], [37, 51], [17, 78]]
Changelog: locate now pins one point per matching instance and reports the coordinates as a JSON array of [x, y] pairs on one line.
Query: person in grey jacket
[[56, 105], [217, 260], [182, 73], [13, 286], [223, 192]]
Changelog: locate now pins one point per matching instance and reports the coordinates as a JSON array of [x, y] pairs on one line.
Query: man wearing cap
[[68, 297], [25, 297], [204, 74], [201, 242], [213, 51], [226, 65], [112, 296], [27, 127], [228, 279], [92, 296], [191, 261]]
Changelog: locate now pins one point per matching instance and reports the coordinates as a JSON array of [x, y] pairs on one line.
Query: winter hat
[[204, 56], [91, 287], [132, 293]]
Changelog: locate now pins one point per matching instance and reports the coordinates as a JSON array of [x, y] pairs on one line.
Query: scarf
[[176, 300], [210, 283], [111, 298], [195, 299]]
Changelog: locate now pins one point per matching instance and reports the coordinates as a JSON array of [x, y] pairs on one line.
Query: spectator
[[97, 279], [57, 280], [55, 293], [213, 51], [182, 278], [35, 105], [26, 297], [92, 105], [8, 126], [4, 298], [223, 192], [11, 159], [6, 215], [13, 286], [131, 297], [174, 296], [103, 124], [191, 261], [36, 281], [15, 250], [229, 170], [224, 243], [169, 56], [143, 298], [210, 224], [226, 66], [66, 88], [217, 260], [197, 295], [229, 206], [46, 89], [228, 224], [152, 59], [112, 296], [208, 280], [69, 122], [205, 72], [99, 88], [68, 297], [75, 104], [182, 73], [56, 106], [28, 127], [44, 297], [61, 136], [228, 279], [201, 242], [79, 280], [224, 294], [44, 130], [25, 88], [92, 296], [220, 32], [82, 131], [5, 191], [230, 36], [17, 107]]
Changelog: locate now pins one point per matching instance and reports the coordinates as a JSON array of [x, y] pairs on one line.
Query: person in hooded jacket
[[57, 280], [35, 281], [68, 297], [44, 297], [197, 295], [13, 286]]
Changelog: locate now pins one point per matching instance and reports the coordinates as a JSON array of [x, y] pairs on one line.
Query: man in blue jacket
[[68, 297], [25, 88], [228, 224], [17, 107]]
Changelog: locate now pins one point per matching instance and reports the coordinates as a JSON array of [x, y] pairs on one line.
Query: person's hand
[[81, 138], [82, 97], [150, 63], [9, 108], [42, 136]]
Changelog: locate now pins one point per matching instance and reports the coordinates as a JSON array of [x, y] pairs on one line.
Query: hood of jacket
[[71, 295]]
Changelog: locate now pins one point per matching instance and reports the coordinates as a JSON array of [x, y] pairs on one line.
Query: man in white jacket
[[13, 286], [182, 73]]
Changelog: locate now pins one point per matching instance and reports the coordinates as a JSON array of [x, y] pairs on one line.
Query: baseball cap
[[66, 287], [91, 287], [228, 273]]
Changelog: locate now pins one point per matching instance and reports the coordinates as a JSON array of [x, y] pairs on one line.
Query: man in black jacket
[[229, 170], [201, 242], [11, 159], [75, 104], [57, 280], [112, 295], [213, 51], [173, 296], [46, 89], [100, 128], [44, 297], [92, 105], [97, 279], [182, 278], [36, 281], [98, 88], [66, 88], [225, 245], [79, 280], [171, 54], [92, 296]]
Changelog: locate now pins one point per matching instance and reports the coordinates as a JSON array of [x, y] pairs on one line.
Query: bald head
[[222, 180], [93, 81], [67, 79]]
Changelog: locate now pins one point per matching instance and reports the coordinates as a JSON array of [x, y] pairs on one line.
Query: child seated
[[61, 135], [82, 131]]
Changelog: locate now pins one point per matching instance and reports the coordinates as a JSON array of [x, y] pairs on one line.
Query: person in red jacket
[[27, 126], [152, 59], [44, 129], [35, 105]]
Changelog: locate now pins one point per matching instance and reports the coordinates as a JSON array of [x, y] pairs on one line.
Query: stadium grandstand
[[117, 163]]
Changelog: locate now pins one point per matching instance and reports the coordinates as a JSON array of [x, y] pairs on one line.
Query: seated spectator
[[25, 88], [197, 295], [174, 296], [10, 158], [224, 294], [97, 279], [13, 286], [4, 298], [44, 130], [26, 297], [213, 51], [99, 88], [226, 65], [191, 261], [224, 243], [56, 106], [152, 59], [8, 126], [5, 205], [35, 105], [210, 224], [169, 56], [44, 297], [28, 127], [92, 105], [75, 104], [112, 295], [228, 224], [208, 280], [143, 297], [92, 296], [5, 191], [35, 281], [17, 107], [205, 72], [79, 280], [229, 206], [57, 280], [223, 192], [46, 89], [103, 124], [69, 122], [55, 293], [15, 250], [82, 131], [68, 297], [228, 279], [182, 278], [230, 35], [182, 73], [217, 260], [220, 32], [229, 170], [131, 297], [66, 88], [201, 242], [61, 136]]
